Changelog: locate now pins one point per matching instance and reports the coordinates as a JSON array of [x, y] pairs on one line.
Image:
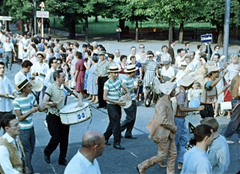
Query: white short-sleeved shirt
[[6, 87], [169, 72], [48, 81], [8, 47], [79, 164], [38, 68], [138, 58], [20, 76]]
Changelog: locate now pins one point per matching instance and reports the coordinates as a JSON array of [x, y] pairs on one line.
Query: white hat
[[158, 52], [184, 63], [187, 80], [212, 69], [131, 68], [167, 87]]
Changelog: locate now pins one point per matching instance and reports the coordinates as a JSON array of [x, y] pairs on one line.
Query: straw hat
[[166, 62], [101, 53], [41, 53], [212, 69], [22, 84], [167, 87], [113, 69], [187, 80], [131, 68]]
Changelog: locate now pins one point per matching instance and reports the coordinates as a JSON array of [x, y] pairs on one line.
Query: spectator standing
[[171, 51], [8, 50], [24, 73], [133, 53], [187, 47], [79, 73], [92, 87], [118, 33]]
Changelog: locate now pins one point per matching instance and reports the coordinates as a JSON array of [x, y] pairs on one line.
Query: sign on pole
[[6, 18], [42, 5], [206, 38], [42, 14]]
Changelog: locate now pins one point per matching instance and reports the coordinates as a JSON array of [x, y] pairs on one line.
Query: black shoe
[[130, 137], [63, 163], [107, 143], [118, 147], [47, 158], [100, 107]]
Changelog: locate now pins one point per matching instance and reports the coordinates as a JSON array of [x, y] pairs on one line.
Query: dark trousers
[[128, 123], [101, 81], [8, 58], [114, 114], [59, 135], [208, 111], [27, 138], [234, 124], [38, 94]]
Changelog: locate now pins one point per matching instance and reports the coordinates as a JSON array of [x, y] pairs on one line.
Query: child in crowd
[[195, 94]]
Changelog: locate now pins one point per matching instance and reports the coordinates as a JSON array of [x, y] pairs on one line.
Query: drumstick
[[70, 91]]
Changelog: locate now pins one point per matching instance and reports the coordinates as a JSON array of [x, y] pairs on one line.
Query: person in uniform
[[112, 95], [54, 99], [162, 130], [209, 92], [180, 111]]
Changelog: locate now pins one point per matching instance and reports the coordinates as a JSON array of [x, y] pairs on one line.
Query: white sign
[[6, 18], [206, 38], [42, 14]]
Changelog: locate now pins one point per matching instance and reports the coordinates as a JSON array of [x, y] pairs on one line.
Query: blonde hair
[[234, 56]]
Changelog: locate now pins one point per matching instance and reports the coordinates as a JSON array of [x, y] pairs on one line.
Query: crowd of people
[[102, 78]]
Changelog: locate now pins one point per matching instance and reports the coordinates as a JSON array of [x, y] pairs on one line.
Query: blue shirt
[[195, 161]]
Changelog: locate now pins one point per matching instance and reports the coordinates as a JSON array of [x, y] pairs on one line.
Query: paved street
[[116, 161]]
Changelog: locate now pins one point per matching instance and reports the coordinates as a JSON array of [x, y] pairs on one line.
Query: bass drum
[[70, 114]]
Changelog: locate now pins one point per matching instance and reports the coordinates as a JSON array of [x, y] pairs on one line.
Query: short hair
[[198, 46], [133, 47], [210, 121], [187, 43], [187, 56], [183, 50], [1, 63], [201, 131], [150, 52], [111, 56], [79, 55], [142, 45], [216, 47], [63, 49], [95, 140], [68, 43], [218, 55], [88, 52], [70, 49], [52, 45], [198, 84], [35, 40], [164, 46], [203, 55], [51, 61], [56, 74], [84, 46], [179, 50], [26, 63], [59, 59], [117, 50], [56, 49], [76, 44], [132, 57], [122, 57], [5, 120], [90, 47], [57, 40], [193, 53], [95, 59], [95, 44], [172, 41], [63, 57]]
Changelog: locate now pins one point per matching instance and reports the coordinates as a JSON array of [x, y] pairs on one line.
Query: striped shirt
[[113, 88], [25, 104], [128, 82]]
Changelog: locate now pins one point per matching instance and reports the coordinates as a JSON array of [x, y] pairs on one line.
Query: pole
[[208, 53], [226, 28], [35, 21], [42, 28]]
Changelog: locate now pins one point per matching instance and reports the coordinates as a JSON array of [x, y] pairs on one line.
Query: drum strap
[[115, 87]]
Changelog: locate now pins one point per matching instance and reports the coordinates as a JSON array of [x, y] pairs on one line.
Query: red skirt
[[227, 95]]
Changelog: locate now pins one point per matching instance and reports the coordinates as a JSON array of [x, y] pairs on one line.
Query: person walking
[[8, 50]]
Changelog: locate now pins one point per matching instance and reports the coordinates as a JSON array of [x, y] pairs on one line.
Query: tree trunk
[[180, 39], [170, 32], [96, 18], [86, 30], [136, 36], [7, 25], [220, 36], [122, 24], [72, 31], [21, 26]]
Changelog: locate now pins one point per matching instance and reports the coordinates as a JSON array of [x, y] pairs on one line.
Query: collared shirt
[[102, 68], [169, 72], [6, 87], [20, 76], [218, 154], [128, 82], [25, 104], [49, 78], [8, 47], [195, 161], [40, 68], [113, 88], [5, 162], [79, 164]]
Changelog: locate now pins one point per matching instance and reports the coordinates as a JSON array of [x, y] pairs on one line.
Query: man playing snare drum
[[54, 98]]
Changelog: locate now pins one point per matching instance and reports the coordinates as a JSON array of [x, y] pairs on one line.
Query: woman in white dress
[[165, 56], [20, 46], [32, 53]]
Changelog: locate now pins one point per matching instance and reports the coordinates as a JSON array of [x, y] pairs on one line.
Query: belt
[[8, 51], [179, 116], [104, 76]]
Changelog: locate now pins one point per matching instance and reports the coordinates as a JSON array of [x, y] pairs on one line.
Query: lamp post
[[35, 21], [226, 28]]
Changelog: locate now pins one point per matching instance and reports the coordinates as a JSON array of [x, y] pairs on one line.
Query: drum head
[[127, 101], [37, 85], [71, 107]]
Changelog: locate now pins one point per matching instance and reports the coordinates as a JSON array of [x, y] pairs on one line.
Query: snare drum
[[70, 114]]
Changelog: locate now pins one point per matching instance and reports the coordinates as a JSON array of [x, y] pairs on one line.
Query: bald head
[[91, 138]]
